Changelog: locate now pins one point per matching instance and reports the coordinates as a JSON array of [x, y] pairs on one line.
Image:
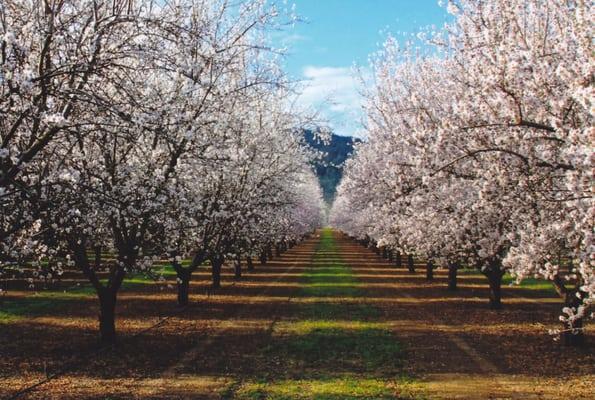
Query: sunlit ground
[[327, 320]]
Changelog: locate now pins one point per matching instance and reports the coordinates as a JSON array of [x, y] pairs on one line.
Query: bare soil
[[235, 341]]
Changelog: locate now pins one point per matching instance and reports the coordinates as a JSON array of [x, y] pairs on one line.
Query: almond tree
[[247, 183], [481, 149], [112, 180], [536, 61], [53, 54]]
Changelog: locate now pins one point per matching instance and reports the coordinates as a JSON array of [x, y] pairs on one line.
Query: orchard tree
[[532, 65], [155, 99], [53, 55], [479, 149], [248, 178]]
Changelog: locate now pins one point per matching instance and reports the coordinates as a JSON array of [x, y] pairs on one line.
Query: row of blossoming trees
[[143, 130], [481, 152]]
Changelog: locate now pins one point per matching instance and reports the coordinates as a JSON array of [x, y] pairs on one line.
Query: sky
[[337, 35]]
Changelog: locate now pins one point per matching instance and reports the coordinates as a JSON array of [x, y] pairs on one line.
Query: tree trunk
[[97, 258], [391, 255], [495, 291], [107, 316], [430, 270], [410, 264], [495, 280], [384, 253], [237, 267], [216, 264], [270, 252], [452, 275], [183, 275], [398, 260], [249, 263], [263, 257], [278, 250]]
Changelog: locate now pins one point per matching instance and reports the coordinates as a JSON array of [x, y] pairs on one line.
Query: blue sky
[[339, 34]]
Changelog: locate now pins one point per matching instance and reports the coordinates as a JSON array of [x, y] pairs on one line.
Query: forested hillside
[[329, 168]]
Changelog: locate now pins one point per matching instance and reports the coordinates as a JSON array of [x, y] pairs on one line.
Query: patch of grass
[[308, 326], [529, 283], [12, 310], [326, 311], [343, 388], [342, 334], [330, 277], [508, 280], [340, 348], [333, 337], [45, 302], [137, 281]]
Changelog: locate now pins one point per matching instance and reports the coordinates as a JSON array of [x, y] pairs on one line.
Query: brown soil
[[460, 348], [456, 347]]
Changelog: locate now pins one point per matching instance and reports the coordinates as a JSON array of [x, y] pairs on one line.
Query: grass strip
[[332, 349]]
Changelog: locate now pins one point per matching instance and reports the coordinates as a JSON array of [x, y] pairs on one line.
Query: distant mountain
[[330, 168]]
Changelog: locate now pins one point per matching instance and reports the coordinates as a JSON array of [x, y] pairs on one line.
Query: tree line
[[141, 130], [479, 149]]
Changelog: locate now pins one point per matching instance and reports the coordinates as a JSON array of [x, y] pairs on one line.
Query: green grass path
[[334, 346]]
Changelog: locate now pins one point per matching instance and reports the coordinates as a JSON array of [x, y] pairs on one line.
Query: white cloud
[[335, 93]]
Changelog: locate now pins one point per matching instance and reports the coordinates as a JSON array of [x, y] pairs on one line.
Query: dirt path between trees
[[327, 320]]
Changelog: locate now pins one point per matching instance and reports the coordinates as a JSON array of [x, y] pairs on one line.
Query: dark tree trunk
[[494, 276], [97, 258], [249, 263], [269, 252], [495, 291], [278, 250], [107, 316], [398, 260], [391, 255], [452, 275], [107, 294], [184, 275], [263, 257], [384, 253], [410, 263], [430, 270], [216, 264], [237, 267]]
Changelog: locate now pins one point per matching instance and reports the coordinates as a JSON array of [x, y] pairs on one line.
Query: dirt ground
[[318, 322], [461, 349]]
